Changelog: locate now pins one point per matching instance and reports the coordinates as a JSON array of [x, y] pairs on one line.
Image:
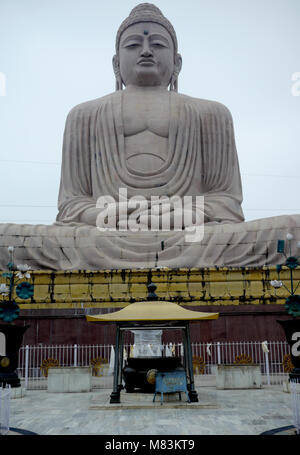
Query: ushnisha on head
[[146, 50]]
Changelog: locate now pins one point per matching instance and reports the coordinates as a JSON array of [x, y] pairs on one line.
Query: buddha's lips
[[144, 61]]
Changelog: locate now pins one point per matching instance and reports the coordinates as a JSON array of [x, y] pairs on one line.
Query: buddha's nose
[[146, 51]]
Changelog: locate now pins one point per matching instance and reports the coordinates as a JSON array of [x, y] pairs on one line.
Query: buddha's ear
[[177, 64], [116, 67], [177, 69]]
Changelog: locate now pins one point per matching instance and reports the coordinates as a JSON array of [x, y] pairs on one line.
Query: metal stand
[[193, 395], [13, 335], [115, 395], [188, 360]]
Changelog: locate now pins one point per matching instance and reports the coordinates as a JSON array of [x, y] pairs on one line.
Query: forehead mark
[[146, 29]]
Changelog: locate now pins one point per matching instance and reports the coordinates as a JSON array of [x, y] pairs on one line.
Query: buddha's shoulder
[[89, 107], [203, 106]]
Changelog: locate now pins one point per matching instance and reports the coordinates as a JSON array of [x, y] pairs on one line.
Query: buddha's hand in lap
[[163, 217], [109, 217], [118, 215], [148, 216]]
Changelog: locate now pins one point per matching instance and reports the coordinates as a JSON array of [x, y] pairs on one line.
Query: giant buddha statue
[[126, 152]]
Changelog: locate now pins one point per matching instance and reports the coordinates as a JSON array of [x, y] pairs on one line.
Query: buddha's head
[[146, 50]]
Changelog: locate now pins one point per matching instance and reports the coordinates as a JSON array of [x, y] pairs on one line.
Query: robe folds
[[201, 161]]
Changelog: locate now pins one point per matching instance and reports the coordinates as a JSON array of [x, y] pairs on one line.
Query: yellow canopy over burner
[[152, 311]]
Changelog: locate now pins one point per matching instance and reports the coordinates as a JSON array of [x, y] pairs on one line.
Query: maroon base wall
[[245, 322]]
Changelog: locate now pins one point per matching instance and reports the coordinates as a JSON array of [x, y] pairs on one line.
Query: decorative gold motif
[[103, 290], [4, 362], [48, 363], [151, 376], [287, 363], [243, 359], [98, 365], [198, 365]]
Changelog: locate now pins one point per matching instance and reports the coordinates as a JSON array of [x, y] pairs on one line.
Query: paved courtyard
[[219, 412]]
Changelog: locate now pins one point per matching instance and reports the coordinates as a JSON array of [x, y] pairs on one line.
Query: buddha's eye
[[132, 45], [158, 45]]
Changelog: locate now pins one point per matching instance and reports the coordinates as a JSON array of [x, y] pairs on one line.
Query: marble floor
[[219, 412]]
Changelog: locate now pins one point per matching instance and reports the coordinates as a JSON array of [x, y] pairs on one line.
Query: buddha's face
[[146, 55]]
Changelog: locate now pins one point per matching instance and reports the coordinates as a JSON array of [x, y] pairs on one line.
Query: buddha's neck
[[157, 88]]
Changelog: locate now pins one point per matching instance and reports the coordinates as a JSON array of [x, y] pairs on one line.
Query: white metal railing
[[34, 361], [4, 409], [295, 395]]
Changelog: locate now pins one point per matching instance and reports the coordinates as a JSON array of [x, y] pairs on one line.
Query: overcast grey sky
[[55, 54]]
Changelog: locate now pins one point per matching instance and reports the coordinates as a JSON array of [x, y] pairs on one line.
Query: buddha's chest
[[146, 119], [146, 112]]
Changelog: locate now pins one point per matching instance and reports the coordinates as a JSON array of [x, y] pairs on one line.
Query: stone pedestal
[[70, 379], [238, 377]]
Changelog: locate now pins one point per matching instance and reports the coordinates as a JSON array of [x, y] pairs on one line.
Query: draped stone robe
[[201, 160]]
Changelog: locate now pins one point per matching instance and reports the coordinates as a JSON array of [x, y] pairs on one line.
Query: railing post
[[26, 365], [75, 355], [267, 368], [219, 352], [265, 349]]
